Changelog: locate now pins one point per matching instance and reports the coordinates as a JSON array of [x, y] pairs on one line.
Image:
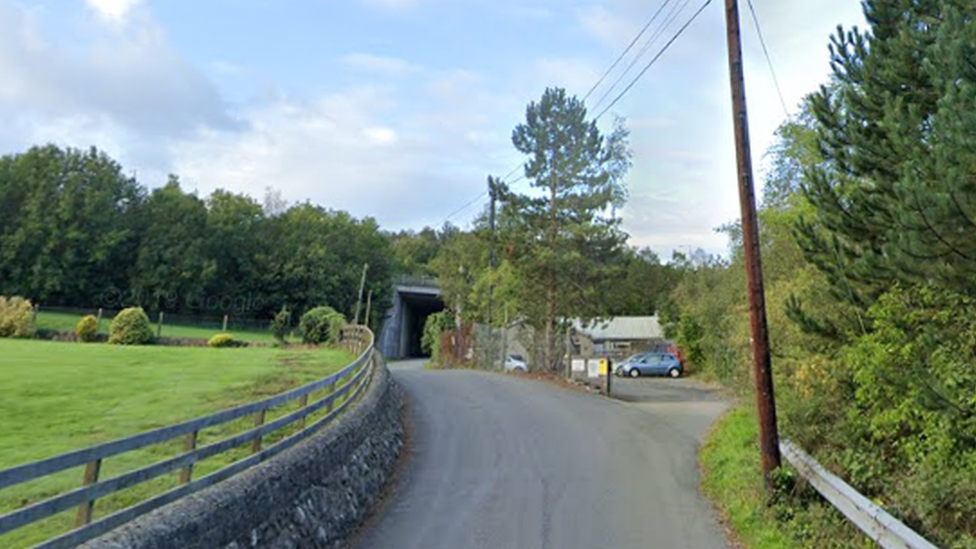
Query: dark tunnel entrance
[[416, 309]]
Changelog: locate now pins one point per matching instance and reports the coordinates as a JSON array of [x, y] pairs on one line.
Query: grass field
[[65, 322], [56, 397]]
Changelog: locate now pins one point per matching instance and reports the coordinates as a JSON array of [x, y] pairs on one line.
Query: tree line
[[76, 231], [867, 232]]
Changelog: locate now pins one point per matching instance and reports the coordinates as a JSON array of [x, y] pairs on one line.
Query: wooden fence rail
[[875, 522], [357, 339]]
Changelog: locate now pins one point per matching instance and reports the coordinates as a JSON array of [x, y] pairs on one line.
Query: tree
[[565, 242], [414, 251], [172, 266], [67, 224], [233, 223], [310, 255], [893, 196]]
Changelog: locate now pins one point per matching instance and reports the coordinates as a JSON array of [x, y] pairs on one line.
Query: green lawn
[[65, 322], [56, 397]]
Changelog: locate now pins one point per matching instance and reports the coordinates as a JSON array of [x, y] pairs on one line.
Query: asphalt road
[[500, 461]]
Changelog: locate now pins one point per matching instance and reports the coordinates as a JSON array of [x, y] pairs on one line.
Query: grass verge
[[56, 397], [732, 478]]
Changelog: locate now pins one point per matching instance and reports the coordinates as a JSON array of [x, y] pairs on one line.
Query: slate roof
[[623, 328]]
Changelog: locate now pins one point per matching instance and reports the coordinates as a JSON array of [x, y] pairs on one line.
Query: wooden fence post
[[85, 510], [328, 409], [186, 474], [225, 325], [302, 403], [159, 326], [258, 421]]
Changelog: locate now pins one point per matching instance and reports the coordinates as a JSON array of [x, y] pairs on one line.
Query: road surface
[[500, 461]]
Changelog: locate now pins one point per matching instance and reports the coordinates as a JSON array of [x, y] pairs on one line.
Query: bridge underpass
[[413, 301]]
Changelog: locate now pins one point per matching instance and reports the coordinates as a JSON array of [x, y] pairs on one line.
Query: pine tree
[[893, 196], [565, 238]]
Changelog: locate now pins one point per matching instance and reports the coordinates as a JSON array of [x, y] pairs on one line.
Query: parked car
[[650, 364], [515, 363]]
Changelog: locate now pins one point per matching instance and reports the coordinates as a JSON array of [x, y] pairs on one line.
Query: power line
[[466, 205], [626, 51], [670, 18], [656, 57], [672, 15], [769, 61]]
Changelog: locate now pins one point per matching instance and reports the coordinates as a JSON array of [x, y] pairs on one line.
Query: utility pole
[[362, 286], [493, 193], [369, 305], [768, 434]]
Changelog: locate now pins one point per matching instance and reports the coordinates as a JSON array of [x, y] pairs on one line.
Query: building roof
[[622, 328]]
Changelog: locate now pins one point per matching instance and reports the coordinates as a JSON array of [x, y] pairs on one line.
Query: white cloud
[[573, 74], [332, 150], [615, 31], [380, 136], [389, 66], [393, 4], [112, 11], [132, 79]]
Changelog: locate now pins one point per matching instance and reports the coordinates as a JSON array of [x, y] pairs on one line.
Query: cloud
[[333, 150], [393, 4], [574, 74], [112, 11], [389, 66], [131, 79], [615, 31]]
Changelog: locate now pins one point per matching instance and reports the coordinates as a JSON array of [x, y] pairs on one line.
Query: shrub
[[432, 339], [131, 327], [281, 324], [16, 317], [87, 329], [321, 325], [222, 340]]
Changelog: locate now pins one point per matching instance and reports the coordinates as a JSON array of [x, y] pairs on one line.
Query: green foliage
[[222, 340], [460, 263], [321, 325], [131, 327], [414, 251], [892, 194], [75, 231], [87, 329], [564, 239], [16, 317], [914, 415], [434, 329], [68, 225], [643, 284], [281, 325]]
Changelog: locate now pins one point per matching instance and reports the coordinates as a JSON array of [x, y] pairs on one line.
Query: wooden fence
[[353, 378]]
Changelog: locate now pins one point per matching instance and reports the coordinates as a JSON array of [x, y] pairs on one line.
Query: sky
[[400, 109]]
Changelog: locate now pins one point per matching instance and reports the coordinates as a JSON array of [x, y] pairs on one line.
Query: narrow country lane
[[505, 462]]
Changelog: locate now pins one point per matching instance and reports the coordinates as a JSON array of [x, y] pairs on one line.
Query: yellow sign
[[603, 366]]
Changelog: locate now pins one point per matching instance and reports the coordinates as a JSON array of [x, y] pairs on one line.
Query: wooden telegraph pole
[[362, 286], [493, 185], [768, 435]]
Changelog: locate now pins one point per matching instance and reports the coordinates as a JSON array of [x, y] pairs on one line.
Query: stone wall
[[311, 496]]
